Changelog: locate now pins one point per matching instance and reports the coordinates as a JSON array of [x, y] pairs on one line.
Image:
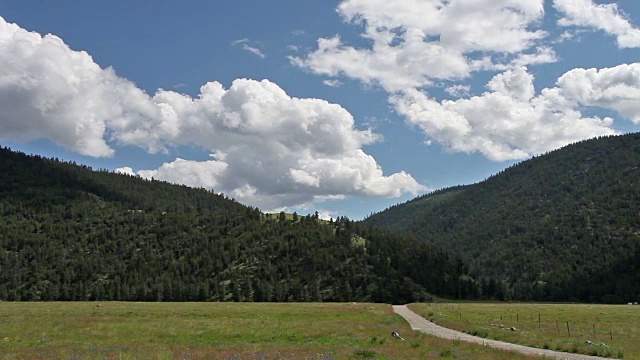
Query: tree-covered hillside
[[70, 233], [563, 226]]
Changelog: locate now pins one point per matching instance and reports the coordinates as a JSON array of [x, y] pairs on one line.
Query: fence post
[[568, 331]]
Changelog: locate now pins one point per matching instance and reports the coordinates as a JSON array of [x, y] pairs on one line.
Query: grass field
[[545, 325], [122, 330]]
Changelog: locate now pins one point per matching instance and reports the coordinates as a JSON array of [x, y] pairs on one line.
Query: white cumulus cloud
[[606, 17], [507, 122], [414, 42], [412, 46], [276, 150], [268, 149], [616, 88], [49, 91]]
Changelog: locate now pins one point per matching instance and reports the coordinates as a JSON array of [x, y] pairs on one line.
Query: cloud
[[245, 45], [239, 42], [273, 150], [616, 88], [412, 45], [333, 82], [194, 173], [268, 149], [605, 17], [458, 90], [414, 42], [50, 91], [253, 50], [565, 36], [414, 63], [541, 55], [508, 121]]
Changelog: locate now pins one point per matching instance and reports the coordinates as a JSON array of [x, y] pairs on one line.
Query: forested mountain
[[70, 233], [562, 226]]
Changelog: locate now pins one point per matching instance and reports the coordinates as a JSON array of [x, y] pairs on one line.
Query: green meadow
[[129, 330], [613, 330]]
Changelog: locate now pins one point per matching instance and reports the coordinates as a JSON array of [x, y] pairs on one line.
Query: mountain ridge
[[70, 233], [547, 228]]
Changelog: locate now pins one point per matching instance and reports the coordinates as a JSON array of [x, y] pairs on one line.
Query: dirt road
[[419, 323]]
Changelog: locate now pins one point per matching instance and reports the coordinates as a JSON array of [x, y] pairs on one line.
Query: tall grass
[[122, 330], [603, 330]]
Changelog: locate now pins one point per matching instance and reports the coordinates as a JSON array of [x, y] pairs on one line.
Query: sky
[[340, 107]]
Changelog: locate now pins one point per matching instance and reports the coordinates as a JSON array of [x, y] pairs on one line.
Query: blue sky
[[341, 107]]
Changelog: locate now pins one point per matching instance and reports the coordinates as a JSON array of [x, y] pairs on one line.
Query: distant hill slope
[[561, 226], [70, 233]]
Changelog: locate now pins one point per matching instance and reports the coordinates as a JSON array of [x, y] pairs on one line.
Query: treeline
[[559, 227], [70, 233]]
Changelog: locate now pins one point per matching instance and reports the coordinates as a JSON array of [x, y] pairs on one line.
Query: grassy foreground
[[123, 330], [613, 330]]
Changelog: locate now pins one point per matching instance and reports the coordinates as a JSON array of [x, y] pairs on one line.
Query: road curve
[[421, 324]]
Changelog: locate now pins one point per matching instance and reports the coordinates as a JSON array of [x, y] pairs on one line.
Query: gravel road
[[421, 324]]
